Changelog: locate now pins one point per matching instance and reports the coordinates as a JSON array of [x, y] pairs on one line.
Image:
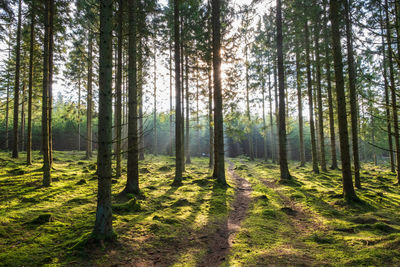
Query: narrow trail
[[220, 242]]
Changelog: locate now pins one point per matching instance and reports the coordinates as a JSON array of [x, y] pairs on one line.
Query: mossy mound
[[164, 169], [130, 205], [42, 219]]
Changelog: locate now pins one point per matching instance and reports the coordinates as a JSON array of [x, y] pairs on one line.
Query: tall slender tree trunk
[[387, 102], [319, 96], [300, 110], [17, 75], [264, 120], [79, 113], [140, 100], [45, 99], [219, 153], [22, 124], [353, 94], [187, 139], [118, 92], [285, 175], [50, 86], [8, 91], [250, 134], [171, 137], [89, 99], [155, 143], [310, 101], [276, 100], [103, 226], [271, 121], [197, 112], [393, 91], [132, 185], [348, 189], [178, 105], [210, 117], [334, 165], [30, 86]]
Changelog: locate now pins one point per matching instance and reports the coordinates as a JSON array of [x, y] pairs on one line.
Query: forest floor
[[255, 221]]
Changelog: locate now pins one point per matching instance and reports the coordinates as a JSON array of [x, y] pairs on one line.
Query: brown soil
[[220, 241]]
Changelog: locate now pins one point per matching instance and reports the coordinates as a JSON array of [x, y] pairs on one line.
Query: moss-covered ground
[[304, 222]]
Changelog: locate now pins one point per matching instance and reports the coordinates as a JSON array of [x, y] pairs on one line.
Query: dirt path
[[221, 240]]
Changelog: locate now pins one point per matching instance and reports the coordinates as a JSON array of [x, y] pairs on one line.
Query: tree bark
[[334, 165], [210, 118], [250, 134], [8, 91], [178, 105], [17, 76], [45, 98], [310, 101], [348, 189], [118, 92], [285, 175], [103, 226], [187, 135], [155, 144], [89, 99], [132, 185], [319, 96], [271, 121], [30, 86], [387, 102], [353, 94], [393, 92], [300, 110], [219, 153]]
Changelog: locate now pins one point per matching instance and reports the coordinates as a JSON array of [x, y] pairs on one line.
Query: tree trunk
[[45, 99], [348, 189], [310, 101], [197, 112], [140, 100], [22, 131], [89, 99], [178, 105], [334, 165], [264, 120], [30, 86], [393, 91], [79, 113], [17, 75], [118, 92], [155, 145], [387, 102], [8, 91], [187, 139], [353, 94], [300, 110], [250, 134], [285, 175], [319, 97], [219, 153], [132, 185], [276, 100], [50, 86], [103, 226], [210, 117], [171, 137], [271, 121]]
